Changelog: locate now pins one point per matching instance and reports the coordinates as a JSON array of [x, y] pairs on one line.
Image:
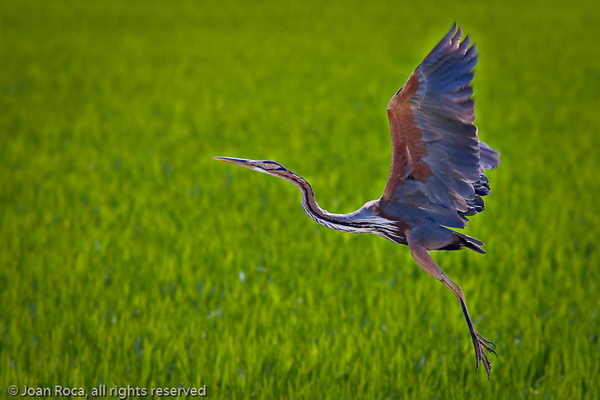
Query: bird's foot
[[482, 345]]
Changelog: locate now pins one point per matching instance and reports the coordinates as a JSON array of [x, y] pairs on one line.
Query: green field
[[129, 257]]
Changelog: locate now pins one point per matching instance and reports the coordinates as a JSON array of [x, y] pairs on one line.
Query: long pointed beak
[[239, 161]]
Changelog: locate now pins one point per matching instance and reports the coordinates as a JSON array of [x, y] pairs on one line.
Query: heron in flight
[[436, 179]]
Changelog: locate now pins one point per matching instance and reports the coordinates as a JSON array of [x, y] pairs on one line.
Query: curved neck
[[362, 220], [342, 222], [308, 198]]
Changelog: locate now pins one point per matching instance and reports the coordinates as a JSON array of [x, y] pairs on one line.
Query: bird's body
[[437, 175]]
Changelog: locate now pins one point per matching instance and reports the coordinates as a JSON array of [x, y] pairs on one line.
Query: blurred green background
[[129, 257]]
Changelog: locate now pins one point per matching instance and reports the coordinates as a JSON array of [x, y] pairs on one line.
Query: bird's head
[[265, 166]]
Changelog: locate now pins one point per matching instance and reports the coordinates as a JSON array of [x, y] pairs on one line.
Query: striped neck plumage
[[310, 205], [338, 222], [356, 222]]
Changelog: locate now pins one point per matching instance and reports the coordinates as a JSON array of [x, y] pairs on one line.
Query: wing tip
[[457, 36], [489, 158]]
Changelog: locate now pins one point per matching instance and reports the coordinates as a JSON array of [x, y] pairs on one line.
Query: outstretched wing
[[438, 161]]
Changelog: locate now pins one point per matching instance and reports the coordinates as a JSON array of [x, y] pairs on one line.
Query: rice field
[[128, 257]]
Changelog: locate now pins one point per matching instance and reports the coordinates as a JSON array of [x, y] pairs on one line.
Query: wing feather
[[437, 158]]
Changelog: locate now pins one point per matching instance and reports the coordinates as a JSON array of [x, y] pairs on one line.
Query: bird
[[437, 177]]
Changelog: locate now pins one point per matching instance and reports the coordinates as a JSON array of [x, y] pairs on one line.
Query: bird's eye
[[269, 166]]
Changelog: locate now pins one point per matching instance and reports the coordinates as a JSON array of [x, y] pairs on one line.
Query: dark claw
[[485, 340], [480, 343], [491, 350], [487, 344]]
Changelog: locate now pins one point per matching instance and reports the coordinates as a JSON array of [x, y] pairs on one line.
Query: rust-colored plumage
[[408, 148], [436, 178]]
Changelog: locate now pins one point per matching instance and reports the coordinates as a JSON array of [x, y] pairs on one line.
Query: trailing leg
[[481, 345]]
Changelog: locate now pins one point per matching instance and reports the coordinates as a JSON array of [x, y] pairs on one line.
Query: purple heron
[[437, 175]]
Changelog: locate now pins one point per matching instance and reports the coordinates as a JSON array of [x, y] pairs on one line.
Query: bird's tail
[[464, 241], [470, 242]]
